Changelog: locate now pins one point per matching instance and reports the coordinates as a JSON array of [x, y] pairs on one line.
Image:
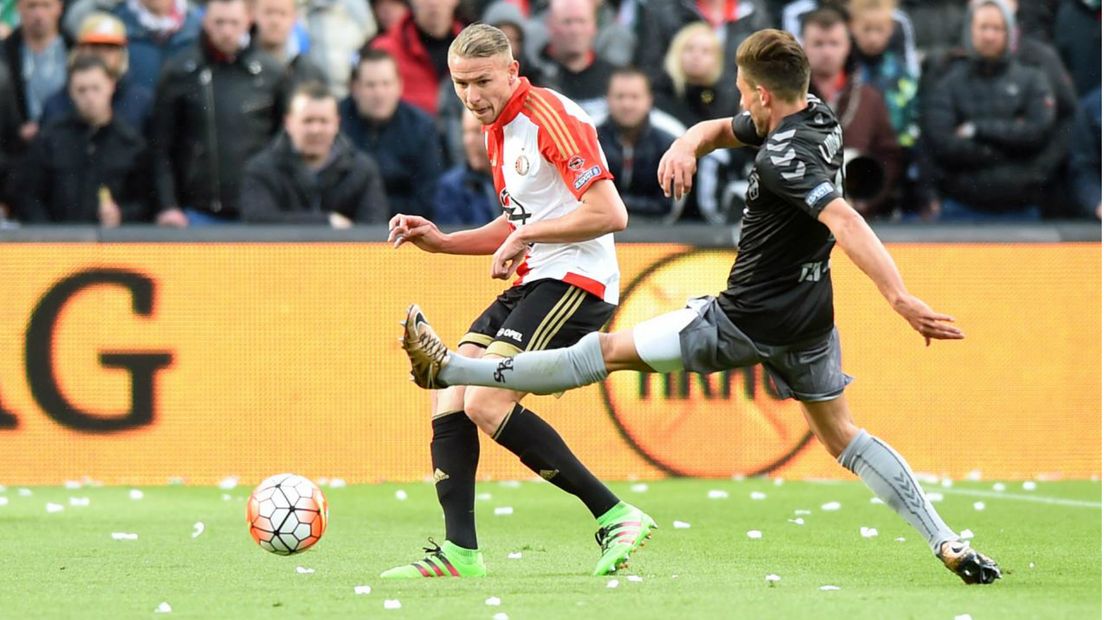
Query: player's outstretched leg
[[445, 560], [536, 372], [888, 474]]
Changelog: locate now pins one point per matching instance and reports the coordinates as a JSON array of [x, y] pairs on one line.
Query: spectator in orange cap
[[104, 35]]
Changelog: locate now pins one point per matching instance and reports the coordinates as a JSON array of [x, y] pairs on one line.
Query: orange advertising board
[[137, 363]]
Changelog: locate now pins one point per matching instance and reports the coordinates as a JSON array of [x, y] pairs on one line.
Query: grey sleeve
[[744, 129]]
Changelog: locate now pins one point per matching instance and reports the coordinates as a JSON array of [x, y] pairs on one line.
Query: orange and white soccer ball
[[286, 514]]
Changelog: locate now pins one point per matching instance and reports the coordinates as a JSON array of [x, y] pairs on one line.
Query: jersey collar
[[513, 106]]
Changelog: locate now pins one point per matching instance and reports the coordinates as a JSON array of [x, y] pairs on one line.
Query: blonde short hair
[[862, 6], [672, 62], [481, 41]]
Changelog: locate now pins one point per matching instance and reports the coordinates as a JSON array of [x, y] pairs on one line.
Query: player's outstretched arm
[[680, 162], [865, 249], [425, 235], [600, 212]]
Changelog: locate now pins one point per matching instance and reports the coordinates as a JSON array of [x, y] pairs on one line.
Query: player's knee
[[486, 407]]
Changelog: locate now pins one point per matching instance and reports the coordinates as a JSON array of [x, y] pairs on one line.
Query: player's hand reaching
[[508, 257], [676, 170], [414, 229], [930, 324]]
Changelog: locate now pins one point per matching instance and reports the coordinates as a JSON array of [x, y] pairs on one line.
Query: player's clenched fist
[[676, 170]]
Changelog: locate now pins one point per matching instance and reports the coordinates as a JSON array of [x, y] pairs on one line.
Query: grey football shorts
[[701, 339]]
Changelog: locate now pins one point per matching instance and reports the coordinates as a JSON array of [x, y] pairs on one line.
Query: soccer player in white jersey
[[777, 309], [560, 208]]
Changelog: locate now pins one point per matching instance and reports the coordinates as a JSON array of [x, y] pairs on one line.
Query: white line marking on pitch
[[1039, 499]]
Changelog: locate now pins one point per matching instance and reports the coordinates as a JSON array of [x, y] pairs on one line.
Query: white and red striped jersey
[[544, 156]]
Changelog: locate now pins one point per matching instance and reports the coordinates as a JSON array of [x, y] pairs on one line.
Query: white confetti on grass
[[500, 616], [510, 484], [338, 483], [868, 532], [163, 608], [79, 501], [612, 583], [772, 579], [797, 521], [514, 555], [401, 495], [963, 617], [3, 501], [226, 497], [228, 483], [72, 484], [198, 528], [900, 539], [779, 482], [24, 492], [124, 536], [935, 498], [503, 511], [979, 506], [483, 497], [802, 511], [758, 495], [362, 589], [754, 534], [829, 588], [639, 487], [876, 500], [1029, 485], [3, 489], [52, 507], [946, 483], [392, 603], [966, 534], [717, 494], [493, 601], [635, 578], [999, 487], [680, 525], [303, 570], [136, 494], [974, 475], [927, 478], [830, 506]]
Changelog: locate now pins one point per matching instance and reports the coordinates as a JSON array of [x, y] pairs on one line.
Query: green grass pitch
[[66, 563]]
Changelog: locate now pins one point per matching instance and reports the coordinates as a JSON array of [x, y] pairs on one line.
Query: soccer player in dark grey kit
[[777, 309]]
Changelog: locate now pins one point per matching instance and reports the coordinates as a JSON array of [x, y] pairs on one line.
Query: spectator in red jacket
[[869, 142], [419, 44]]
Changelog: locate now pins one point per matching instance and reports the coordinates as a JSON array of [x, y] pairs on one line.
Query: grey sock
[[891, 479], [536, 372]]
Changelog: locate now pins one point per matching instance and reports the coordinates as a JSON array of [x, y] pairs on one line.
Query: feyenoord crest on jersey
[[522, 165]]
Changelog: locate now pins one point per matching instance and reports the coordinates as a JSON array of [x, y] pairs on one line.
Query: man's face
[[226, 24], [377, 89], [312, 125], [91, 91], [827, 48], [434, 13], [572, 27], [39, 17], [475, 149], [629, 100], [275, 19], [751, 101], [484, 85], [699, 56], [872, 30], [112, 55], [989, 32]]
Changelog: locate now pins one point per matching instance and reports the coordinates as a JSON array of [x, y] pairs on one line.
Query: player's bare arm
[[864, 248], [424, 234], [680, 162], [600, 212]]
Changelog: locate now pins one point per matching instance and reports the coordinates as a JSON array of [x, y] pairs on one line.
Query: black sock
[[455, 454], [542, 450]]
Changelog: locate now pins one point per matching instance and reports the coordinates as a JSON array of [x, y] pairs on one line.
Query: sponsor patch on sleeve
[[818, 192], [582, 179]]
